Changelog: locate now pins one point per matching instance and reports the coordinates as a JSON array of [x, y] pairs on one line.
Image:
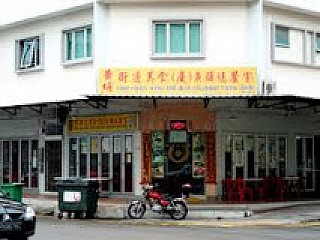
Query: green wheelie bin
[[13, 191]]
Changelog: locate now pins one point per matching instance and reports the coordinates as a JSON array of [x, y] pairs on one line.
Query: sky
[[15, 10]]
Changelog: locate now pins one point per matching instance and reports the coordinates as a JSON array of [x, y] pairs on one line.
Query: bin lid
[[75, 182]]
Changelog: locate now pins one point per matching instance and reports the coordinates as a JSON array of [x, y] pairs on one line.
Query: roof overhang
[[282, 102]]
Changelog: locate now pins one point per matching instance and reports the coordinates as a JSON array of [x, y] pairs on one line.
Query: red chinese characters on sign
[[150, 76], [123, 77], [107, 85], [234, 76], [209, 76], [195, 81], [183, 76], [248, 76], [136, 77], [163, 76]]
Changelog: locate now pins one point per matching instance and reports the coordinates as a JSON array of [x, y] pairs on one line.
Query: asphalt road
[[71, 229]]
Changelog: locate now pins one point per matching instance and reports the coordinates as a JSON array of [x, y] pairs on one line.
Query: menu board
[[198, 162], [239, 151], [177, 136], [158, 154]]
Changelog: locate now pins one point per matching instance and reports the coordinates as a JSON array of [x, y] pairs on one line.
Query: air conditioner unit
[[269, 87]]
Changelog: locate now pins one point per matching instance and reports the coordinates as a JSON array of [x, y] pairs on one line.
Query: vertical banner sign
[[146, 160], [211, 158], [193, 82]]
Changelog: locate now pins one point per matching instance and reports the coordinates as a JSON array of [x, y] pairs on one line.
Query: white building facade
[[65, 114]]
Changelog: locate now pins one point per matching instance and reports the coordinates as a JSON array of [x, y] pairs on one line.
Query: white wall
[[295, 80], [55, 82], [295, 70], [225, 29]]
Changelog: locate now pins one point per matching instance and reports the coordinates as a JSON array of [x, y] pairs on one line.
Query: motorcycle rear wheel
[[180, 211], [136, 210]]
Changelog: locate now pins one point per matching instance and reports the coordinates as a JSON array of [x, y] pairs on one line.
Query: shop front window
[[83, 157], [73, 146], [15, 161], [105, 159], [94, 157], [254, 156], [6, 162], [18, 164], [25, 163], [34, 163], [262, 156]]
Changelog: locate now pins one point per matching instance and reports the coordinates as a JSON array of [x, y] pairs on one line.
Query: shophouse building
[[137, 91]]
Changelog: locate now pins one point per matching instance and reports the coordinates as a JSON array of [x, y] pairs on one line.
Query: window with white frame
[[282, 36], [177, 38], [77, 44], [28, 53]]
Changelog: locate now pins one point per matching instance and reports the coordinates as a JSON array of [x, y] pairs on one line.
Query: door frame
[[43, 179], [304, 169]]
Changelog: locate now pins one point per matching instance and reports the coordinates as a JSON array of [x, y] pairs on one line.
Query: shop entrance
[[108, 158], [53, 163], [178, 152], [178, 157], [305, 161]]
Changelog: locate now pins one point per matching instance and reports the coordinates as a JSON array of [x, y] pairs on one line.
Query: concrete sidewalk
[[206, 215]]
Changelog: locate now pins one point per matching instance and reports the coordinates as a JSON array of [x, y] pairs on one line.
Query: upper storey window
[[28, 53], [282, 38], [318, 42], [77, 44], [177, 38]]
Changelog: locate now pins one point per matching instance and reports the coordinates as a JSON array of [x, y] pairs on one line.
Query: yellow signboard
[[179, 82], [107, 123]]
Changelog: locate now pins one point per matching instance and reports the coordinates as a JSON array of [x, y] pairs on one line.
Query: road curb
[[212, 224]]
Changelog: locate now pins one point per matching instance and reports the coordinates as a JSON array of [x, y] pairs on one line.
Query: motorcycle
[[174, 206]]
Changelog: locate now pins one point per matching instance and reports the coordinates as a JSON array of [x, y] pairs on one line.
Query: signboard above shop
[[103, 123], [178, 82]]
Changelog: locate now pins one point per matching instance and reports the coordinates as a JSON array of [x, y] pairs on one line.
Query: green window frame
[[177, 37], [282, 36], [78, 44]]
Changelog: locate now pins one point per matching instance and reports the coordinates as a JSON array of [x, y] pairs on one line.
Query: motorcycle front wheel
[[180, 211], [136, 210]]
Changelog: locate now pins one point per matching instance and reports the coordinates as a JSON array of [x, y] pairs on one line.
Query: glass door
[[305, 161], [53, 163], [25, 163], [128, 163], [6, 161], [117, 163], [106, 146], [106, 157], [122, 163], [94, 157]]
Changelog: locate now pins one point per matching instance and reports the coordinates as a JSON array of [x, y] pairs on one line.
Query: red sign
[[178, 125]]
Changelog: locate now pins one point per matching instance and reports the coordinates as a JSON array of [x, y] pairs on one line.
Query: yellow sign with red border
[[178, 82], [106, 123]]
